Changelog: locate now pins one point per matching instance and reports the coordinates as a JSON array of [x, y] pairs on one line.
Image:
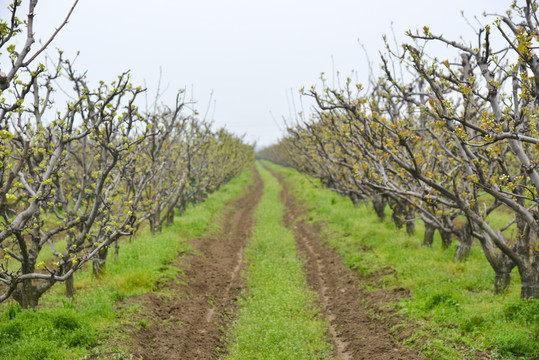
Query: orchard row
[[89, 172], [454, 143]]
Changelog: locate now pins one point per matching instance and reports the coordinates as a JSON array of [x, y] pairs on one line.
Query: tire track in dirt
[[189, 323], [354, 334]]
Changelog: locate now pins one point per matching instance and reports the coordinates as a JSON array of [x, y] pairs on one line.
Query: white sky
[[253, 55]]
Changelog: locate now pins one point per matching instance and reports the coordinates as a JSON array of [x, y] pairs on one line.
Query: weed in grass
[[69, 303], [65, 321], [359, 264], [10, 331], [441, 299], [474, 323], [114, 352], [46, 334], [13, 309], [526, 311], [516, 345], [143, 324]]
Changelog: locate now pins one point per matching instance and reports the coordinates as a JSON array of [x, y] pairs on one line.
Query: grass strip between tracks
[[278, 318], [63, 329]]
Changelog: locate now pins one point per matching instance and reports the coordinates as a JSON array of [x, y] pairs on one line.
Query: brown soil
[[357, 324], [188, 320]]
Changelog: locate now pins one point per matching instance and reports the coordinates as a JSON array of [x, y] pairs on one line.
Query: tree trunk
[[500, 263], [99, 262], [398, 216], [529, 273], [379, 205], [428, 239], [70, 282], [446, 238], [465, 243], [70, 287], [354, 198], [463, 250], [27, 295], [501, 282], [182, 207], [503, 273], [152, 225], [116, 250], [410, 221], [170, 216], [530, 283]]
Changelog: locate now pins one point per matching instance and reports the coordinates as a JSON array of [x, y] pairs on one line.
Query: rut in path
[[354, 334], [189, 323]]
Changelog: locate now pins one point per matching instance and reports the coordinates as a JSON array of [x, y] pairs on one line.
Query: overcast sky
[[253, 55]]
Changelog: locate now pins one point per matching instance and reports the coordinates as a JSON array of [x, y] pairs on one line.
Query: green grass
[[277, 319], [62, 329], [59, 333], [452, 307]]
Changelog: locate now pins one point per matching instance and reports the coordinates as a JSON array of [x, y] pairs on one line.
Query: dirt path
[[189, 322], [355, 335]]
